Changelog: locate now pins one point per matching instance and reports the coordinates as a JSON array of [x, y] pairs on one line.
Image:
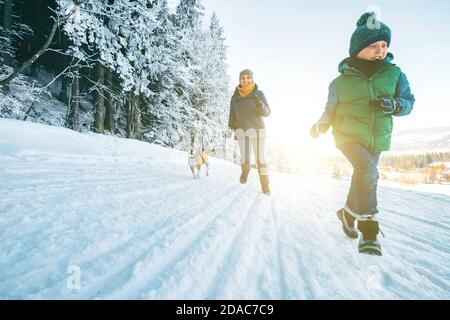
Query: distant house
[[439, 172], [444, 166]]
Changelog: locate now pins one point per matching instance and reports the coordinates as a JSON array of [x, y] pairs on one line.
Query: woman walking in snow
[[247, 108], [361, 103]]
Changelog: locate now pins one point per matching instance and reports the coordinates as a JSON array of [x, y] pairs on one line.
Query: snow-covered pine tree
[[120, 41], [214, 85], [142, 53], [162, 115], [172, 72], [189, 14], [188, 19], [76, 27]]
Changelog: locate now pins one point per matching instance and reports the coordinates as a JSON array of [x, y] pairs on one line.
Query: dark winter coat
[[248, 112]]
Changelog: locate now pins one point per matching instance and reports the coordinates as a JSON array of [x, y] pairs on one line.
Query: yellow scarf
[[245, 91]]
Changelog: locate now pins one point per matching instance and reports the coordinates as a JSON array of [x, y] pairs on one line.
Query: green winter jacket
[[355, 120]]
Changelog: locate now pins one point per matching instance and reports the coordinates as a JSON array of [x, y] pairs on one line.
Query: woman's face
[[376, 51], [246, 80]]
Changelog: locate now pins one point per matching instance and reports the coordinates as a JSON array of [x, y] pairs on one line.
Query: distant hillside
[[420, 140]]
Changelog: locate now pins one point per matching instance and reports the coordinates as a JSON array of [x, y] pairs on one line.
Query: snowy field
[[97, 217]]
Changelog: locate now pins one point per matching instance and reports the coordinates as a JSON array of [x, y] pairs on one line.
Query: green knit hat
[[247, 72], [368, 30]]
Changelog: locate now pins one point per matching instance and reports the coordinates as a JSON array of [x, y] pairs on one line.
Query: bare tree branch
[[7, 80], [30, 61]]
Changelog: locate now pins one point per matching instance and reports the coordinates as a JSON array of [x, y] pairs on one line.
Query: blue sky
[[294, 48]]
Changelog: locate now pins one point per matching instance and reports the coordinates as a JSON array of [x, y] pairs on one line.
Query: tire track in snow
[[276, 235], [175, 212], [303, 225], [188, 204], [142, 243], [157, 203], [295, 273], [66, 185], [242, 256], [418, 236], [121, 191], [151, 265], [397, 252], [83, 206], [161, 222], [207, 260]]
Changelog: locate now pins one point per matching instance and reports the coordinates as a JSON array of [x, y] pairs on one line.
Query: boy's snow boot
[[264, 179], [370, 246], [244, 175], [348, 222], [368, 242]]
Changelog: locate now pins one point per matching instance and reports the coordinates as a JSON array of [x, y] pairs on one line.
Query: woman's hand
[[318, 129], [258, 102]]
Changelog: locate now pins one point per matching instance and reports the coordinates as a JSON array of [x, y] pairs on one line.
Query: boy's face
[[376, 51], [246, 80]]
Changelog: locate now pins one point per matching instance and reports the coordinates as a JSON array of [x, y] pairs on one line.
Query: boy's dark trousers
[[362, 196]]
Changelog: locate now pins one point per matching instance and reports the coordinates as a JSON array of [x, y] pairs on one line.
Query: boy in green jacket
[[361, 103]]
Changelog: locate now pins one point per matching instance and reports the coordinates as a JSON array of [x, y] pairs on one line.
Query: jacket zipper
[[372, 112]]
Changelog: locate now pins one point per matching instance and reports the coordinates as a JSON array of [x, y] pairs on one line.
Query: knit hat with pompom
[[368, 30]]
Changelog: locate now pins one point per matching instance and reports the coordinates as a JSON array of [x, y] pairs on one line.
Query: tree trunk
[[110, 117], [134, 127], [137, 117], [64, 94], [7, 22], [99, 99], [64, 62], [73, 119], [130, 116]]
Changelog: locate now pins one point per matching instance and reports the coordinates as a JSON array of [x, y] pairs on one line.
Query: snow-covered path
[[131, 218]]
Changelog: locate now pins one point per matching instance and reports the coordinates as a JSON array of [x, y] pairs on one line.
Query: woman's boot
[[244, 175], [264, 179]]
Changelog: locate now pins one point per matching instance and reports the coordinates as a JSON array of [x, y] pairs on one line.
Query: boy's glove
[[387, 105], [318, 129]]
